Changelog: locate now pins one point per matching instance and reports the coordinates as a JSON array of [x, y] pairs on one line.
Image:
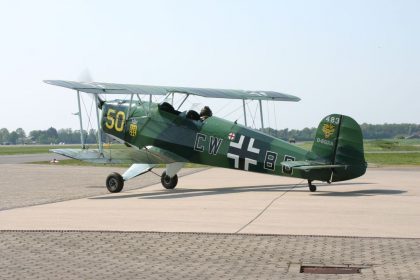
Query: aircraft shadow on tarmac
[[371, 192], [184, 193]]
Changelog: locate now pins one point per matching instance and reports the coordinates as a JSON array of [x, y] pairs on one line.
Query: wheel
[[114, 182], [168, 182], [312, 188]]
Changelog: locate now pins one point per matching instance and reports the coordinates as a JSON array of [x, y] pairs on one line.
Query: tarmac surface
[[59, 222], [25, 185]]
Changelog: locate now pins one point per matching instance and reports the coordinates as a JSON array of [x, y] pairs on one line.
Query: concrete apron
[[382, 203]]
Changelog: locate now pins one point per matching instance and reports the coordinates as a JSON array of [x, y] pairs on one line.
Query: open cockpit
[[189, 114]]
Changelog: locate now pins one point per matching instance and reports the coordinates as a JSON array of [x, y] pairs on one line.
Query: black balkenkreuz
[[244, 152]]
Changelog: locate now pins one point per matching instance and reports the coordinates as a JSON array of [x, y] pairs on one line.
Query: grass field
[[377, 152], [387, 152], [42, 149], [392, 145], [31, 149], [380, 145], [393, 158]]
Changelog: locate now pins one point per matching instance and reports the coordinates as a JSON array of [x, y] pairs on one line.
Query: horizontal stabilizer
[[310, 165]]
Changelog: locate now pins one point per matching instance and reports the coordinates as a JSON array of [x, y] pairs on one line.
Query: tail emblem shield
[[328, 130]]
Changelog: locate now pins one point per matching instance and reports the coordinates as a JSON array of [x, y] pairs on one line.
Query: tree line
[[370, 131], [70, 136], [49, 136]]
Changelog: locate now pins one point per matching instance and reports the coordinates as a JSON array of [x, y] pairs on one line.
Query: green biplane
[[161, 134]]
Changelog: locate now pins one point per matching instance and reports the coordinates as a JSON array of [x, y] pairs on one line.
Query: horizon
[[313, 127]]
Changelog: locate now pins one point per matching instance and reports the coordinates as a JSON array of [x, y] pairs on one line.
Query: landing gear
[[114, 182], [168, 182], [312, 188]]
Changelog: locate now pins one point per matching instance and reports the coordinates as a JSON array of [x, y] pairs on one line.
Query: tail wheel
[[114, 182], [168, 182]]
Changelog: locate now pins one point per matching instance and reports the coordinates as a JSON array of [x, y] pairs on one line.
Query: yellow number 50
[[115, 121]]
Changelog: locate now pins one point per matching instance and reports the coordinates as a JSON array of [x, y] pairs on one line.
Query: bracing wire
[[253, 116], [257, 108], [226, 106], [250, 113], [233, 111], [88, 114]]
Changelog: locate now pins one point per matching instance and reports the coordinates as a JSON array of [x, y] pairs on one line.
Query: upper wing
[[108, 88]]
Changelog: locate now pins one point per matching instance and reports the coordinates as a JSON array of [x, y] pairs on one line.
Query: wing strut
[[243, 103], [82, 139], [150, 102], [101, 147], [183, 101], [129, 107], [261, 114]]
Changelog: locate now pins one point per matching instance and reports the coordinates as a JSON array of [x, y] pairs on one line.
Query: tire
[[114, 182], [168, 182], [312, 188]]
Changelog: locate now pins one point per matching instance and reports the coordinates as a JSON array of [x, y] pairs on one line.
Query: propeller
[[86, 77]]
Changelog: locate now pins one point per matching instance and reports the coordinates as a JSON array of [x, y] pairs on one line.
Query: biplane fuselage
[[213, 141]]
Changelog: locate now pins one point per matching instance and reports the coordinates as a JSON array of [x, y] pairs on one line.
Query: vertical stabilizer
[[339, 141]]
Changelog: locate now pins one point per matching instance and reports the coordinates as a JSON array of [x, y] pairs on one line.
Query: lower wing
[[150, 155]]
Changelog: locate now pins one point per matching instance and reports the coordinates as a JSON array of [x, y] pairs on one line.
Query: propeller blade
[[86, 77]]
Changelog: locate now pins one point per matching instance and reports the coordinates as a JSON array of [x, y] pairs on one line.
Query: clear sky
[[360, 58]]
